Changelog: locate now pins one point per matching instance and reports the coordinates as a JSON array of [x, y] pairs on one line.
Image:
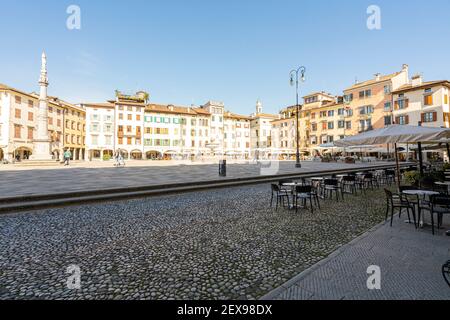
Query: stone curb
[[34, 202]]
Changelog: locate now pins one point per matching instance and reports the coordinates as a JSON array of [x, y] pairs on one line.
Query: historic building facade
[[32, 125], [422, 102], [261, 133], [142, 130], [19, 122], [100, 132], [236, 136], [371, 100]]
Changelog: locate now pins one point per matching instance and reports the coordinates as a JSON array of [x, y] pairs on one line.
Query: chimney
[[377, 76], [405, 68], [417, 80]]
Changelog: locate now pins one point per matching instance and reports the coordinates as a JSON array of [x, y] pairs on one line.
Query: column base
[[41, 151]]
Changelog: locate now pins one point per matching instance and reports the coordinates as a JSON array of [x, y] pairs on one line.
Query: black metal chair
[[439, 204], [442, 189], [305, 193], [390, 175], [446, 272], [330, 186], [369, 181], [396, 201], [348, 185], [381, 177], [280, 195]]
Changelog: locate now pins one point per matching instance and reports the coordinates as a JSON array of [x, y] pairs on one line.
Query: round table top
[[421, 192], [292, 184], [444, 183], [318, 178]]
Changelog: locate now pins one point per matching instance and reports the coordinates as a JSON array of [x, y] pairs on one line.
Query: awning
[[396, 134]]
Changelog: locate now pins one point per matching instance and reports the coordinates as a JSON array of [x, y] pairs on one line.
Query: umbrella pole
[[398, 168], [419, 145], [448, 152]]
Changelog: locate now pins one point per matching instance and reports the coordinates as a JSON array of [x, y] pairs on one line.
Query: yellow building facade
[[74, 130]]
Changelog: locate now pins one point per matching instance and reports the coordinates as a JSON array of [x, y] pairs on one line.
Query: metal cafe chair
[[348, 185], [396, 201], [330, 186], [446, 272], [281, 196], [439, 204], [306, 193]]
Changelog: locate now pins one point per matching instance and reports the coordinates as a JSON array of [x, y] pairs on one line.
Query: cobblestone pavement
[[68, 179], [410, 263], [219, 244]]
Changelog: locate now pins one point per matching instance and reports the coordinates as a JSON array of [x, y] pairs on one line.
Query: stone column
[[42, 142]]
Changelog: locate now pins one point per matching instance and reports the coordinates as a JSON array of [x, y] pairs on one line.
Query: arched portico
[[107, 153], [136, 155], [94, 154], [153, 155], [22, 153], [169, 155]]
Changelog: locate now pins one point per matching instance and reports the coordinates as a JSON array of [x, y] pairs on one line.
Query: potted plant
[[412, 177]]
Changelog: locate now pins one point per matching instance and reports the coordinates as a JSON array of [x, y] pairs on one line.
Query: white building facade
[[261, 132], [100, 131], [237, 135], [18, 125], [424, 102]]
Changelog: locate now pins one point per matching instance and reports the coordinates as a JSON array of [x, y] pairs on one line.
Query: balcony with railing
[[401, 104]]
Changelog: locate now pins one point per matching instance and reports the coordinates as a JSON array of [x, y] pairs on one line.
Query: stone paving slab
[[86, 178], [410, 263]]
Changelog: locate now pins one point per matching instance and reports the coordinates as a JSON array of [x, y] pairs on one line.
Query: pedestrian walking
[[119, 160], [67, 156]]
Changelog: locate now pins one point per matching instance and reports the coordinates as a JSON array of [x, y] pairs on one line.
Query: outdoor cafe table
[[423, 194], [445, 183], [292, 184]]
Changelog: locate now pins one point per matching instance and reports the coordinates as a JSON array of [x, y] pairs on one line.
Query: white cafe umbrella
[[396, 134]]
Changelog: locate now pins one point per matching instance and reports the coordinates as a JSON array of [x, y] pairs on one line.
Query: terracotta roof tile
[[373, 81], [409, 87]]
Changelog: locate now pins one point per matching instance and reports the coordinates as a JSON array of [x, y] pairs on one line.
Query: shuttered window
[[403, 120], [428, 100], [429, 117]]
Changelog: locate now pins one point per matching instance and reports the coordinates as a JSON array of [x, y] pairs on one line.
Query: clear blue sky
[[235, 51]]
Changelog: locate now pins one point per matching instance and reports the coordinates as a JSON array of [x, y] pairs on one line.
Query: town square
[[204, 155]]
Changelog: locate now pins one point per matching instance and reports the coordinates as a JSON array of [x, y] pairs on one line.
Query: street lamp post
[[295, 77]]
